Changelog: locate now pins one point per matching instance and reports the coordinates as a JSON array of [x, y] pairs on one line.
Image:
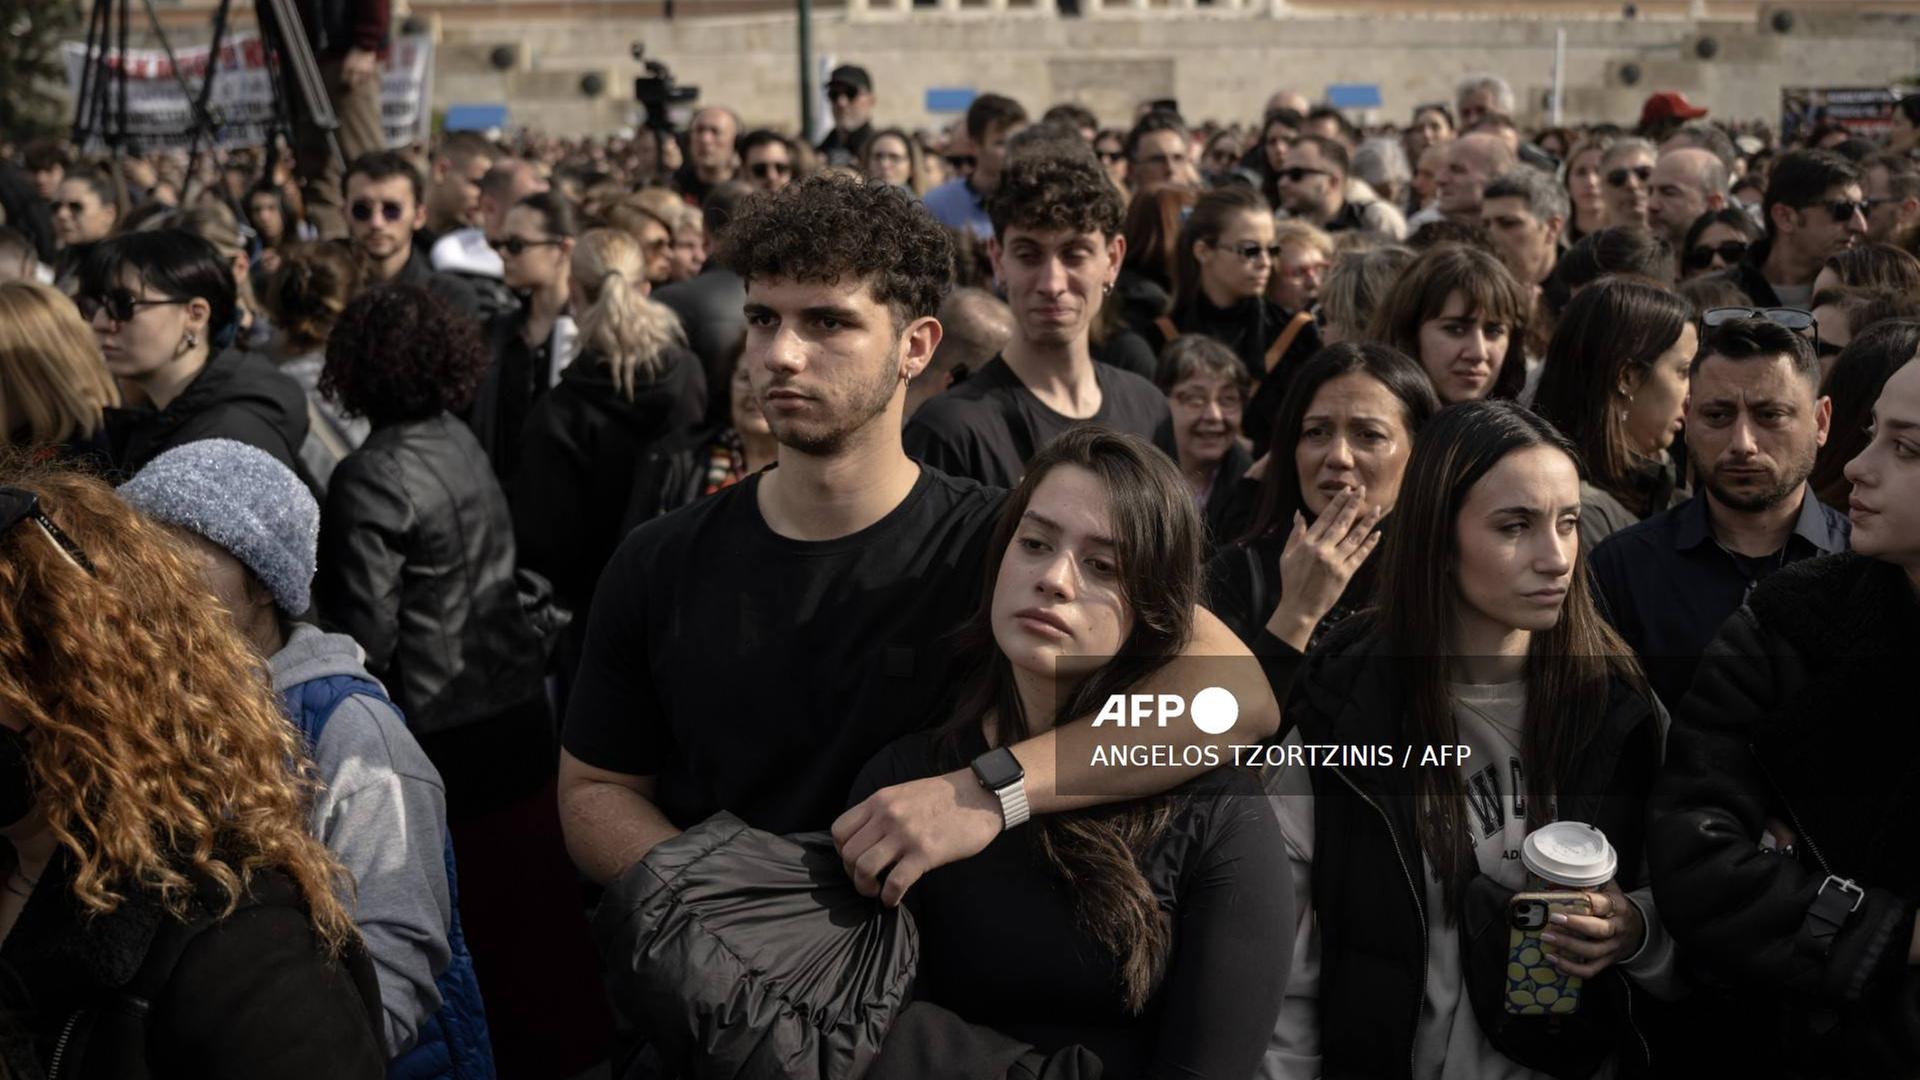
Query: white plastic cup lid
[[1570, 853]]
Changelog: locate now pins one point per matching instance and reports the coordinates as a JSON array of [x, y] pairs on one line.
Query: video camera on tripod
[[657, 92]]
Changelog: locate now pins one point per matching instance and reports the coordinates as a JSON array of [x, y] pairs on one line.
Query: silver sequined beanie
[[244, 500]]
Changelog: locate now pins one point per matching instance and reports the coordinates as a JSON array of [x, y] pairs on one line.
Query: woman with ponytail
[[306, 295], [633, 383], [1154, 931]]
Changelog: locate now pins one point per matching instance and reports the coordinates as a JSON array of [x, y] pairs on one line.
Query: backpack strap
[[311, 704], [1285, 341]]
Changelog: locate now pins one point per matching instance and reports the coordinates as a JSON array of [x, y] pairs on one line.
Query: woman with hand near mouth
[[1342, 441], [1207, 389], [1818, 926], [1615, 384], [1152, 932], [1486, 636], [1460, 313]]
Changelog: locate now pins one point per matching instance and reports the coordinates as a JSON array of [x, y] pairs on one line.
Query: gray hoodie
[[382, 814]]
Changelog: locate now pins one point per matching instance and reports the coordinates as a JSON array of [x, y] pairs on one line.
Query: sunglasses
[[364, 209], [764, 169], [1295, 173], [74, 208], [516, 246], [841, 93], [1250, 252], [1618, 177], [962, 161], [1730, 252], [1108, 157], [1791, 318], [119, 304], [18, 505], [1844, 209]]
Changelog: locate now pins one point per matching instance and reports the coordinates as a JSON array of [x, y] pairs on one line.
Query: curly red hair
[[155, 744]]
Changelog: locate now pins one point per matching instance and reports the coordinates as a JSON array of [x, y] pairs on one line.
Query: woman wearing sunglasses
[[1625, 172], [532, 345], [1717, 241], [1222, 263], [158, 302], [164, 911]]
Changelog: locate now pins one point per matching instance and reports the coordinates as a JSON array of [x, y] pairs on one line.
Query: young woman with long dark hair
[[1154, 931], [1486, 637], [1223, 262], [1615, 383], [1333, 473], [1460, 313]]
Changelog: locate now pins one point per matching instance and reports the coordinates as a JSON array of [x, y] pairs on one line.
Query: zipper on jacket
[[60, 1047], [1419, 908], [1799, 830]]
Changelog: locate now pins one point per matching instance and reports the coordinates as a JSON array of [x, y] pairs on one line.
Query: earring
[[1107, 289]]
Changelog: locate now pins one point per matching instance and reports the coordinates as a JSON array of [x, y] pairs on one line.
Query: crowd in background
[[389, 556]]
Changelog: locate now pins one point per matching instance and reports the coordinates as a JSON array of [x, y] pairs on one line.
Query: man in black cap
[[850, 94]]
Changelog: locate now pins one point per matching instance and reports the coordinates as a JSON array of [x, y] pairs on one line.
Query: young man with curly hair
[[752, 651], [1056, 247]]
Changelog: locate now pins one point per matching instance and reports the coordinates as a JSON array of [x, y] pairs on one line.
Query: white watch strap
[[1013, 803]]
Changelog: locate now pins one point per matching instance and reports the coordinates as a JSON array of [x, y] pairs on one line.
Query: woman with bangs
[[1151, 932], [165, 911], [54, 392], [1460, 313]]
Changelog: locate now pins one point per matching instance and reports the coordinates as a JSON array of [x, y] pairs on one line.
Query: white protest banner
[[160, 111]]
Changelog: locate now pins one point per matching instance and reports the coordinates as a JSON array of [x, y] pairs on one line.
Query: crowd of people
[[427, 580]]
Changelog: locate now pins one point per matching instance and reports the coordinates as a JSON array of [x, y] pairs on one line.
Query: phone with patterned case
[[1534, 986]]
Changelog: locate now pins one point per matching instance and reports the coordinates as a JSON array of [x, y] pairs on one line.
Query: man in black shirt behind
[[1057, 247], [752, 651]]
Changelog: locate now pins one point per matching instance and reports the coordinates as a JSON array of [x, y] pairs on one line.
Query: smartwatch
[[999, 772]]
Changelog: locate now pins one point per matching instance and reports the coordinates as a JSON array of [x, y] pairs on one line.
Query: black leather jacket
[[417, 563]]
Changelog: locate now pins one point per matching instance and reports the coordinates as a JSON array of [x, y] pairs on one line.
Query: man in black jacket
[[1815, 208], [850, 95], [384, 193]]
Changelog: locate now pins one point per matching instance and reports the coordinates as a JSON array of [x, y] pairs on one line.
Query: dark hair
[[1567, 668], [829, 228], [1802, 178], [990, 111], [1627, 250], [98, 182], [1729, 216], [1156, 120], [1903, 180], [722, 205], [1440, 107], [1153, 233], [175, 263], [466, 147], [1422, 293], [1404, 378], [398, 353], [1340, 121], [1056, 186], [759, 137], [1077, 116], [1741, 339], [385, 165], [1614, 327], [1331, 151], [1876, 266], [1444, 231], [1157, 539], [1211, 213], [1708, 291], [288, 226], [42, 154], [1854, 384], [555, 211], [1910, 105], [1856, 150], [310, 291]]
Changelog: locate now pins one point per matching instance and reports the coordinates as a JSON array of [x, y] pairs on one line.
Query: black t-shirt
[[989, 426], [754, 673], [1001, 943]]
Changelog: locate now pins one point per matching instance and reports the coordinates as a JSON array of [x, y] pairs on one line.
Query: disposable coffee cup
[[1569, 855]]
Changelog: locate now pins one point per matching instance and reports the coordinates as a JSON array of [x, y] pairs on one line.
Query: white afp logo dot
[[1215, 710]]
